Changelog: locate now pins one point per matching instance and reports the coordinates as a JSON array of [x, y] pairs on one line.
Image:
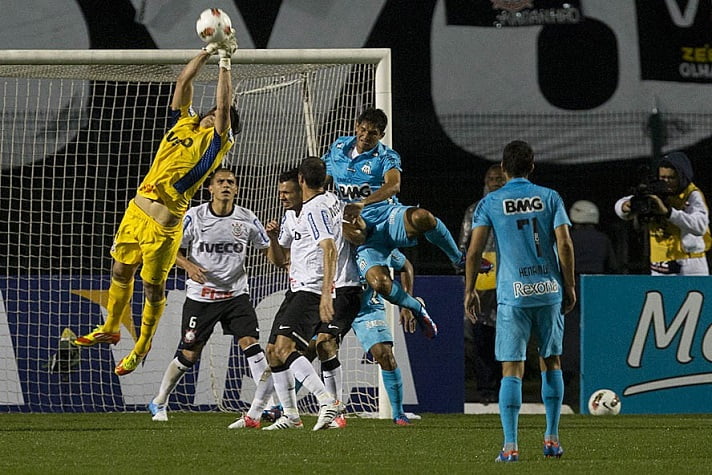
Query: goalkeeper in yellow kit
[[151, 230]]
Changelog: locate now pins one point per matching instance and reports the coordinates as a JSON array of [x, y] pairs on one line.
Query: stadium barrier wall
[[649, 339], [41, 372]]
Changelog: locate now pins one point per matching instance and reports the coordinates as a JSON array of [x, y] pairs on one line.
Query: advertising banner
[[675, 40], [649, 340], [41, 371]]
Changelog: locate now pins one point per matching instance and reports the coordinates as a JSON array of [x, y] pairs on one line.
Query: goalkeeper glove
[[211, 48], [225, 61], [230, 43]]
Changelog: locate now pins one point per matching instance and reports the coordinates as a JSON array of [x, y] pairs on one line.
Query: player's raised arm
[[183, 93], [277, 255], [224, 89]]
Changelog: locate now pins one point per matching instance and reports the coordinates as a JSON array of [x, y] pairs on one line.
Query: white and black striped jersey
[[347, 274], [219, 244], [319, 219]]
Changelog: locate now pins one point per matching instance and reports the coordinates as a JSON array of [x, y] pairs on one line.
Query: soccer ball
[[213, 25], [604, 402]]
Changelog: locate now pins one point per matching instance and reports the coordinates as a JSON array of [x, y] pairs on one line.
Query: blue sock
[[510, 402], [400, 298], [442, 238], [552, 394], [394, 388]]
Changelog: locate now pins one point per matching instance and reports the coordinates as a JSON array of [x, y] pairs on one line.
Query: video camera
[[641, 203]]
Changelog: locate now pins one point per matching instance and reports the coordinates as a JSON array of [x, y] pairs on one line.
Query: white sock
[[258, 365], [263, 393], [174, 372], [333, 381], [284, 387], [305, 372]]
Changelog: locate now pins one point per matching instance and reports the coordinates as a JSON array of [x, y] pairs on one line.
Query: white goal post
[[78, 130]]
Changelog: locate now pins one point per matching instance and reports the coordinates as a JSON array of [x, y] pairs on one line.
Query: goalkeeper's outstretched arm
[[224, 91], [183, 94]]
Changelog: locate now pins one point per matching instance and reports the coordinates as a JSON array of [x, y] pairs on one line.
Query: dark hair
[[374, 116], [289, 175], [218, 170], [235, 122], [313, 171], [518, 159]]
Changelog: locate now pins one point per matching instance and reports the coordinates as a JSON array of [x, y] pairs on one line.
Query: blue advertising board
[[649, 339], [41, 372]]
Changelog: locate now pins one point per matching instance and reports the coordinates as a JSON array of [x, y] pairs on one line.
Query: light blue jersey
[[356, 178], [523, 217]]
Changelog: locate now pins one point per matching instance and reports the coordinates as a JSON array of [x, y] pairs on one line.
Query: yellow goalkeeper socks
[[152, 312], [119, 297]]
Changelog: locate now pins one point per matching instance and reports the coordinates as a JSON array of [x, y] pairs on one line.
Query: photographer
[[677, 217]]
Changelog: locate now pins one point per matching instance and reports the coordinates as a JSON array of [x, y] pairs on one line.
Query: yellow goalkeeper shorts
[[140, 239]]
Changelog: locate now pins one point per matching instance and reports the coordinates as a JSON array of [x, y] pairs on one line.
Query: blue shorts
[[371, 328], [382, 239], [515, 325]]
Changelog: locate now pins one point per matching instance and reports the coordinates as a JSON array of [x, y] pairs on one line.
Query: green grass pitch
[[449, 444]]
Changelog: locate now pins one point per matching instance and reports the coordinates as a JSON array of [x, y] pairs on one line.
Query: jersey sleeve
[[188, 226], [480, 217], [391, 160], [326, 158], [184, 113], [560, 216], [259, 237], [285, 237]]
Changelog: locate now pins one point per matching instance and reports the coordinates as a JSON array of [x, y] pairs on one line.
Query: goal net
[[78, 132]]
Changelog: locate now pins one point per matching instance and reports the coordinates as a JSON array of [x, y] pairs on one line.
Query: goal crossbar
[[181, 56]]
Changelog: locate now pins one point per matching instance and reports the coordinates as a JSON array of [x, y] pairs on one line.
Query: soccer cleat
[[128, 363], [426, 324], [97, 336], [339, 422], [553, 450], [402, 420], [245, 422], [327, 413], [272, 414], [285, 422], [510, 456], [160, 414]]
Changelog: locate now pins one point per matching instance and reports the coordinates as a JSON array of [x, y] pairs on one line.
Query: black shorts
[[297, 318], [237, 317], [346, 307]]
